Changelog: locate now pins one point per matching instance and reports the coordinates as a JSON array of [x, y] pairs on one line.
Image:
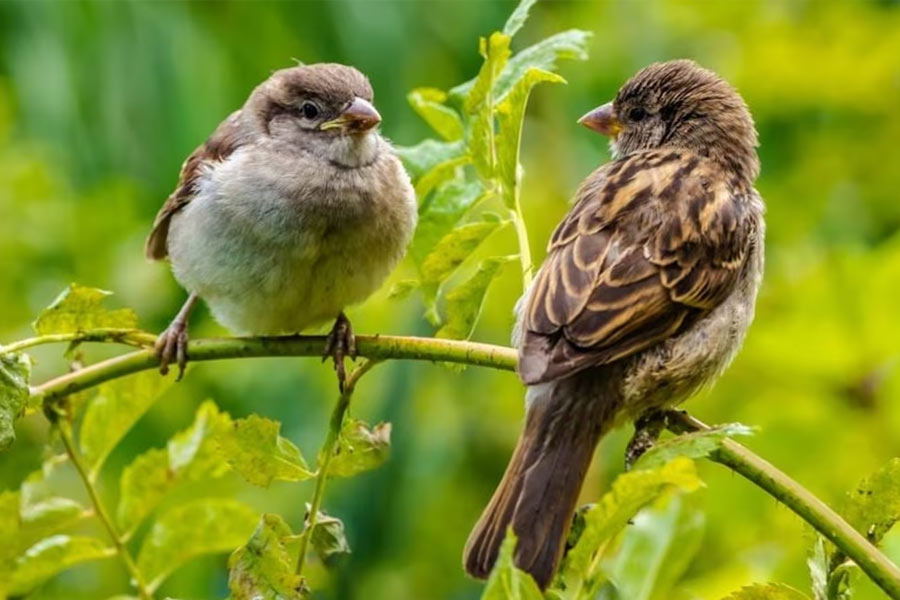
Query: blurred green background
[[100, 102]]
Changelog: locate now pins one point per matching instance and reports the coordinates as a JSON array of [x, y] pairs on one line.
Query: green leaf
[[190, 455], [479, 104], [116, 408], [440, 174], [438, 217], [429, 104], [454, 248], [630, 492], [656, 549], [566, 45], [771, 591], [207, 526], [80, 308], [15, 372], [51, 556], [42, 514], [253, 448], [819, 569], [518, 17], [510, 114], [698, 444], [508, 582], [426, 155], [328, 537], [465, 301], [263, 569], [360, 448], [874, 505]]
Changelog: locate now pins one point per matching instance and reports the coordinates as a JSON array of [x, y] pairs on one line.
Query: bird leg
[[340, 343], [172, 343], [647, 430]]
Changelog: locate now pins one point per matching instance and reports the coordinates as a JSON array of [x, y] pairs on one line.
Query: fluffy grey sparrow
[[293, 209], [646, 293]]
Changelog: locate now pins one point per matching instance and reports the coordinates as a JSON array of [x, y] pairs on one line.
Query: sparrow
[[645, 295], [294, 208]]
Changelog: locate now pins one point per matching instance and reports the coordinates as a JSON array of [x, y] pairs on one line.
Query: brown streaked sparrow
[[646, 294]]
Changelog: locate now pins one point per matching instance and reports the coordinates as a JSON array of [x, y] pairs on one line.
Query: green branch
[[797, 498], [325, 455], [377, 348], [65, 434]]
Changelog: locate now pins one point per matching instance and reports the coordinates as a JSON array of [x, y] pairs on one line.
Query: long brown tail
[[538, 492]]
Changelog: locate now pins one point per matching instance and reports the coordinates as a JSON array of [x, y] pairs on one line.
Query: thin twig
[[809, 508], [65, 433], [325, 454], [129, 337]]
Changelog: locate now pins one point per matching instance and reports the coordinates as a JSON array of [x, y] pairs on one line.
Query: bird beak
[[358, 116], [602, 120]]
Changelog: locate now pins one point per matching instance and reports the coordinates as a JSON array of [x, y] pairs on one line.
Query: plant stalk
[[65, 433], [325, 454]]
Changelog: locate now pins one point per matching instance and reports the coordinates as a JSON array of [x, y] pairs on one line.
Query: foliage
[[100, 102]]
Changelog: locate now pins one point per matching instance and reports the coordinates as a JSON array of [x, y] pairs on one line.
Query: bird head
[[678, 104]]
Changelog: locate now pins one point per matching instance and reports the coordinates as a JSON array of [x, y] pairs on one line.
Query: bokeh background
[[100, 102]]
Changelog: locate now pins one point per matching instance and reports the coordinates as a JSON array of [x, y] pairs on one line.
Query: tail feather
[[540, 487]]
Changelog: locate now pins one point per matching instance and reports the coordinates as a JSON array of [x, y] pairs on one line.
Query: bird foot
[[171, 345], [340, 343], [647, 430]]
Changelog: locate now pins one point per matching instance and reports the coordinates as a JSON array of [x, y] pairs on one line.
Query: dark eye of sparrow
[[637, 114], [309, 110]]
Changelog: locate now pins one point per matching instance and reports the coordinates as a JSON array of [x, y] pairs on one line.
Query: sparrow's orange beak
[[602, 120], [357, 117]]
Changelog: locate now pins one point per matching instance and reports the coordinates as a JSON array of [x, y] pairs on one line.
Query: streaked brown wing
[[653, 242], [225, 139]]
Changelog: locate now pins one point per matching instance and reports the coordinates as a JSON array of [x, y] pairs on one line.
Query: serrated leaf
[[506, 581], [630, 492], [51, 556], [429, 104], [698, 444], [453, 249], [15, 373], [254, 448], [445, 209], [495, 51], [510, 115], [193, 451], [80, 308], [441, 173], [359, 448], [263, 569], [427, 154], [207, 526], [328, 537], [656, 549], [873, 506], [465, 301], [771, 591], [114, 410], [518, 17], [479, 104], [566, 45]]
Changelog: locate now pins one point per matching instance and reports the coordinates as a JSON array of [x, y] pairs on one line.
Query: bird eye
[[309, 110], [636, 114]]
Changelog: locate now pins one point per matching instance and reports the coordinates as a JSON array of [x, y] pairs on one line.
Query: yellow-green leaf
[[429, 104], [207, 526], [426, 155], [80, 308], [441, 214], [518, 17], [328, 537], [495, 51], [510, 114], [440, 173], [263, 569], [114, 410], [771, 591], [454, 248], [479, 105], [15, 372], [698, 444], [360, 448], [465, 301], [873, 505], [254, 448], [506, 581], [51, 556], [630, 492]]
